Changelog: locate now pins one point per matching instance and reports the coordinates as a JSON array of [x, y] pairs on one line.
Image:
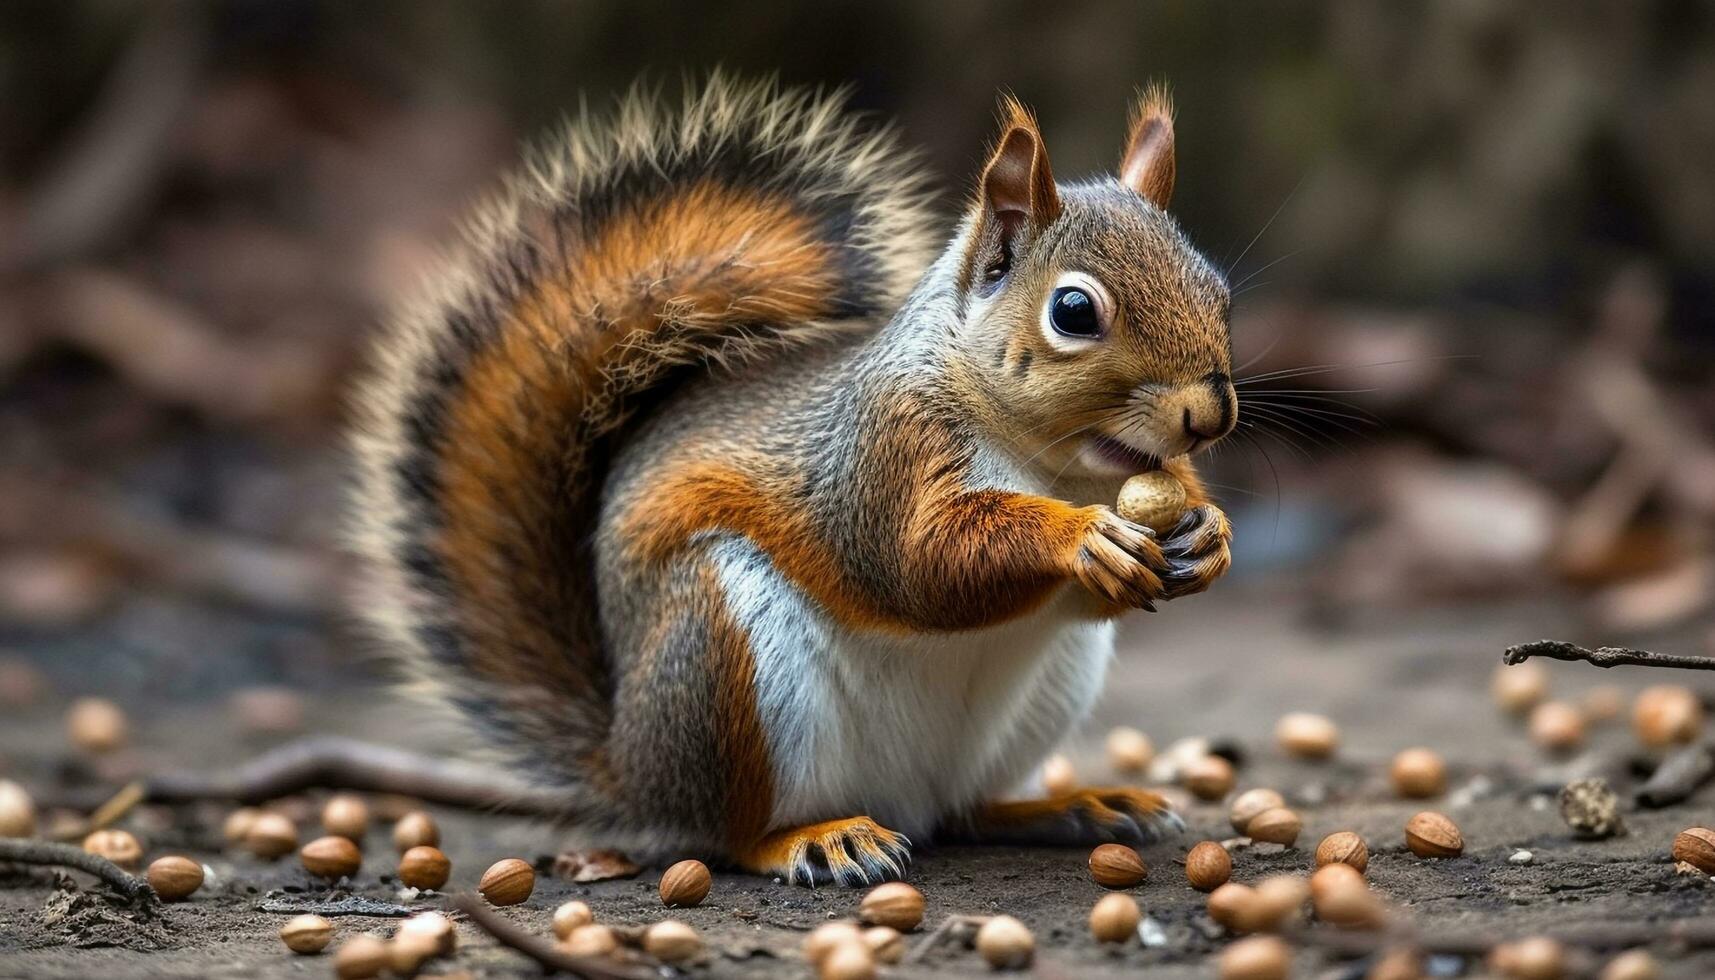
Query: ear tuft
[[1147, 165], [1018, 178]]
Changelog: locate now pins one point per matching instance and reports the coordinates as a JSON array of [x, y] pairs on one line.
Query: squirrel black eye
[[1073, 313]]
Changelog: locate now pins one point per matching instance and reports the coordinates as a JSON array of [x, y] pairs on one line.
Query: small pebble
[[1522, 857], [1150, 933]]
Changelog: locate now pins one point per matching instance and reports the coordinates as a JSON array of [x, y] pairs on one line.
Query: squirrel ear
[[1147, 166], [1017, 183]]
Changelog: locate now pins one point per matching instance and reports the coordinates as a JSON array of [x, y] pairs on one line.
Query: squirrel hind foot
[[1081, 818], [852, 852]]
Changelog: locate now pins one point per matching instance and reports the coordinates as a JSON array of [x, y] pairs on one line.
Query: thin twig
[[947, 926], [1603, 656], [538, 949], [49, 853], [105, 815], [344, 763]]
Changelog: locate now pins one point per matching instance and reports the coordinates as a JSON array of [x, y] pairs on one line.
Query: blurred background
[[1474, 246]]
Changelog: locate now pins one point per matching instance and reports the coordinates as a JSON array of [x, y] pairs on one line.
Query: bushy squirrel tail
[[629, 252]]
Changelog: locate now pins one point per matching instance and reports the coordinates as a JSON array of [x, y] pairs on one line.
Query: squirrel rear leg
[[1081, 818], [854, 851]]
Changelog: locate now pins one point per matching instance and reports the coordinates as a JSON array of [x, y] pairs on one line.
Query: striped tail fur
[[628, 252]]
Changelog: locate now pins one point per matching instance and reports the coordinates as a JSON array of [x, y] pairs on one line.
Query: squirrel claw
[[1196, 551], [852, 852], [1118, 561]]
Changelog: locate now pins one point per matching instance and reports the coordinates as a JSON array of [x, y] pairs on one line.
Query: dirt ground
[[1223, 666]]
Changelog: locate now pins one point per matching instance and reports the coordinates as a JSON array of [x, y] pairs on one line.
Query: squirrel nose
[[1208, 419]]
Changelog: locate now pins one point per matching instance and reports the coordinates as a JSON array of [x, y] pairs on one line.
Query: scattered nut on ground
[[1419, 774], [822, 939], [436, 927], [95, 725], [685, 884], [408, 951], [1666, 714], [1129, 750], [1114, 918], [1250, 803], [1399, 963], [306, 934], [1208, 866], [1005, 943], [1343, 847], [569, 916], [594, 939], [508, 881], [1557, 726], [1696, 847], [1276, 902], [1307, 736], [346, 815], [330, 857], [174, 878], [415, 829], [1256, 958], [1433, 835], [118, 846], [1117, 866], [1340, 896], [424, 867], [849, 959], [1532, 958], [1277, 826], [887, 943], [672, 941], [360, 957], [1226, 901], [1209, 778], [271, 835], [894, 904], [1635, 964], [236, 828], [1518, 688], [17, 811], [1603, 703], [1059, 776]]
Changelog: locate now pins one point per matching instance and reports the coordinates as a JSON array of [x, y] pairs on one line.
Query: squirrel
[[712, 497]]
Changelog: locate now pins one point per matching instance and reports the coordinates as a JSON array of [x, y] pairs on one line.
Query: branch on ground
[[1603, 656]]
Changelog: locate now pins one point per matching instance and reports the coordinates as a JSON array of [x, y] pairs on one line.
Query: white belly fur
[[906, 730]]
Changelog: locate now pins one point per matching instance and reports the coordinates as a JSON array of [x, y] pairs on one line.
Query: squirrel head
[[1093, 336]]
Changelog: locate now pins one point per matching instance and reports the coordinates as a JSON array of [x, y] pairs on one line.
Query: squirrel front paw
[[1119, 561], [1197, 551]]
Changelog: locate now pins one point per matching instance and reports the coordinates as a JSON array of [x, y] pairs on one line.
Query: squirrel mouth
[[1123, 456]]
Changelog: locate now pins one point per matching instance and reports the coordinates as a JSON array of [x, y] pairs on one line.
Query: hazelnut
[[1306, 736], [570, 916], [1343, 847], [117, 846], [822, 939], [685, 884], [1666, 714], [346, 815], [1058, 775], [1342, 897], [174, 878], [1277, 826], [415, 829], [408, 951], [1633, 964], [436, 927], [1005, 943], [1250, 803], [1419, 774], [508, 881], [1227, 901], [238, 824], [1129, 750], [1116, 866], [1154, 499], [1557, 726], [672, 942], [894, 904], [1433, 835], [1399, 963], [1256, 958], [1533, 958], [887, 944], [1209, 778], [594, 939], [1276, 903], [424, 867], [850, 959], [306, 934], [1208, 866], [1114, 918], [361, 957], [1519, 687], [1603, 704], [17, 811], [330, 857], [1696, 847], [1331, 876], [271, 835], [95, 725]]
